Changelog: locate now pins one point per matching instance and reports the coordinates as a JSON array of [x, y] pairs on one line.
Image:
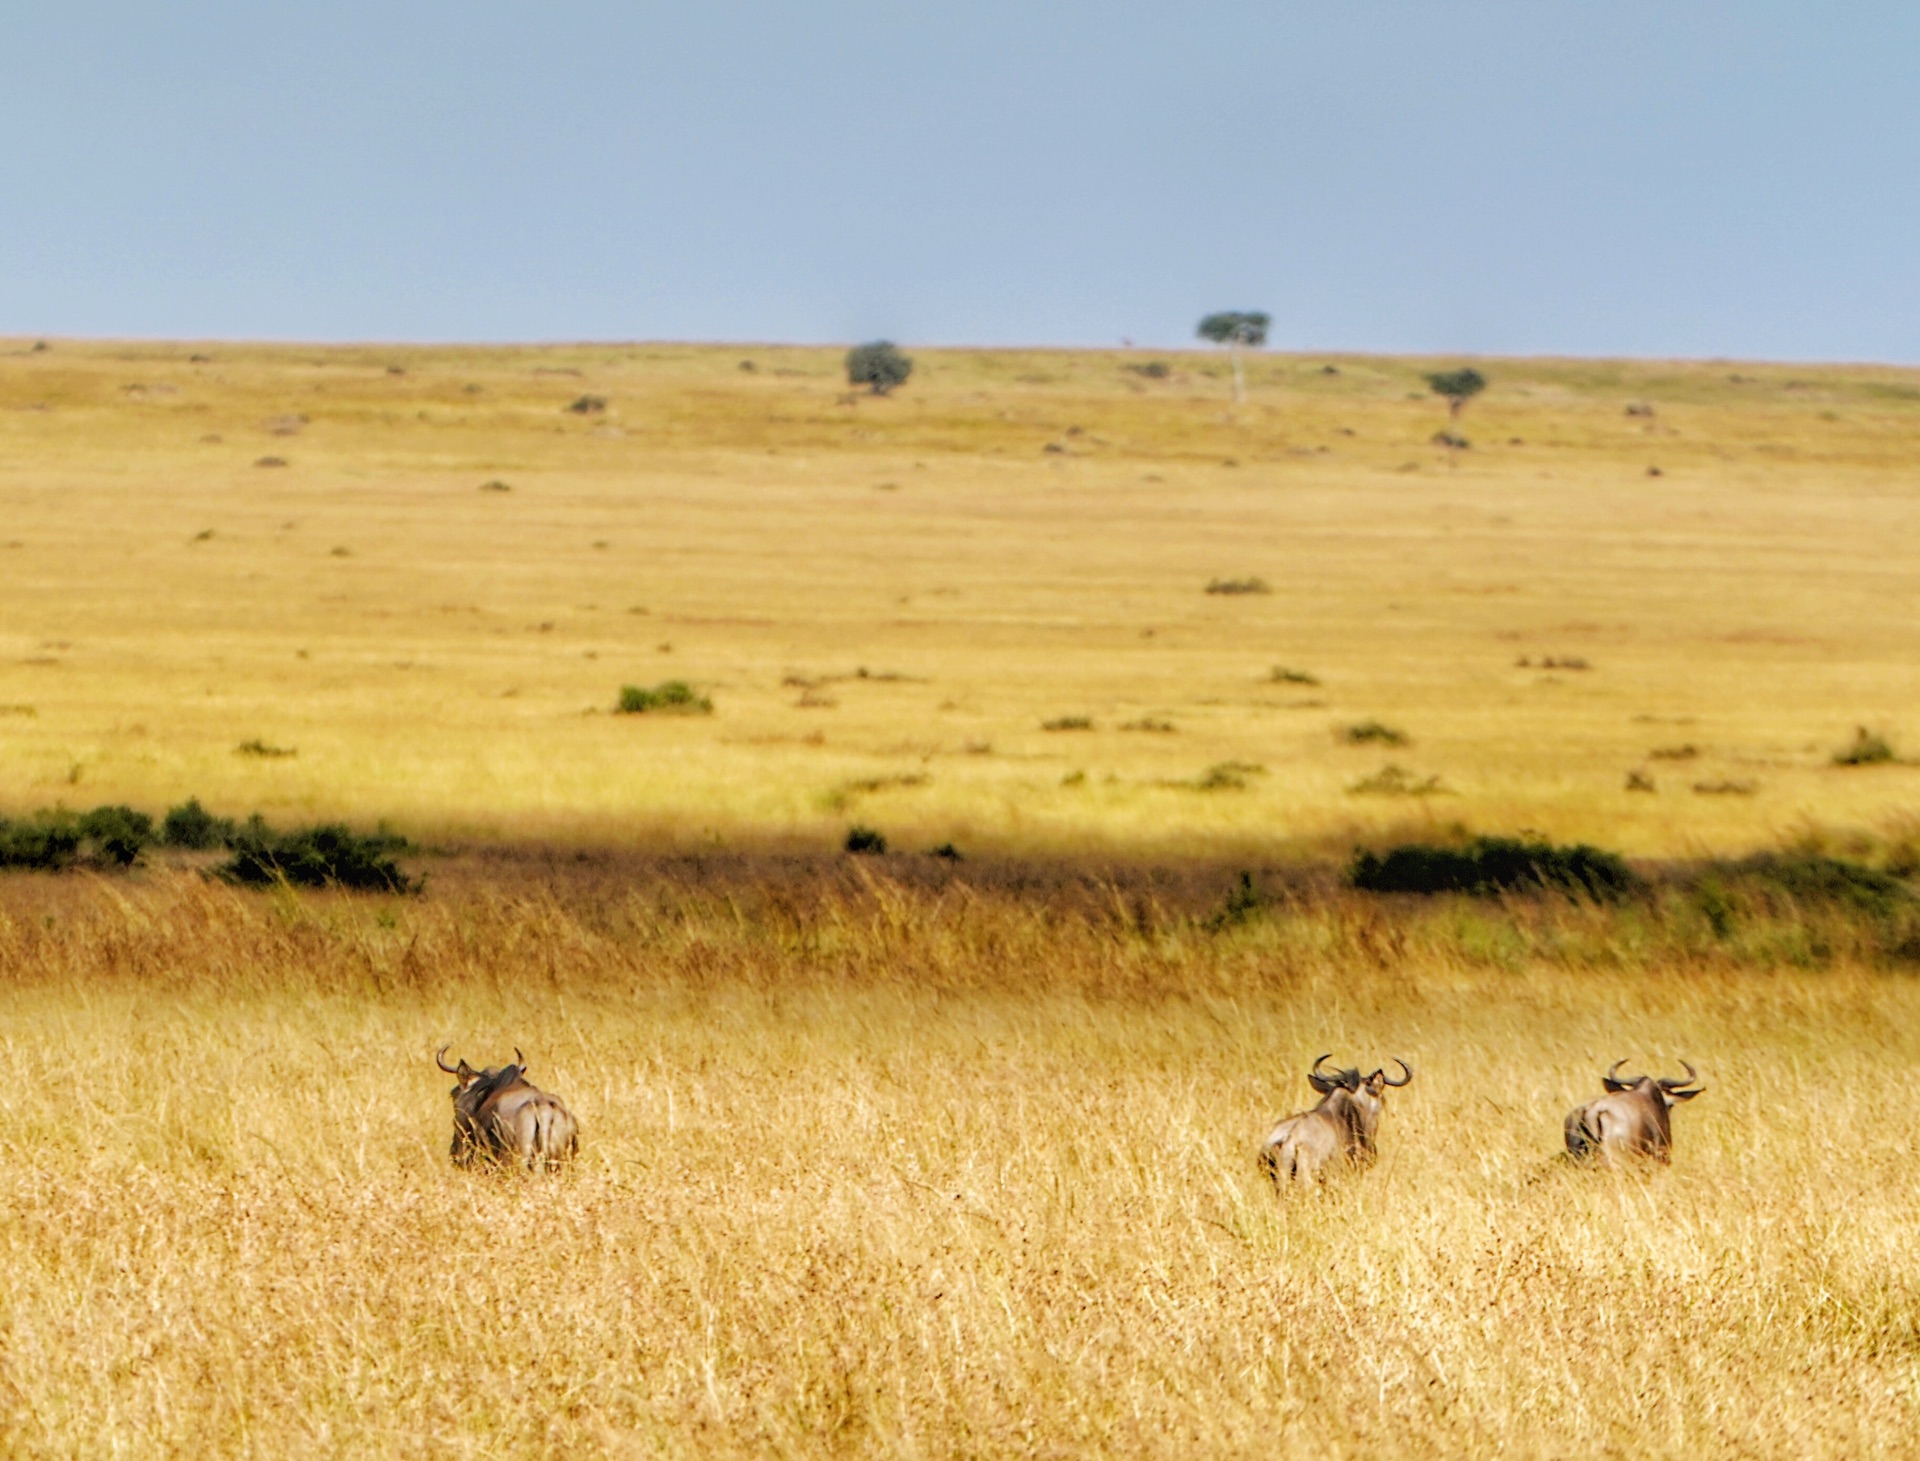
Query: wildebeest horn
[[1403, 1079], [1692, 1078], [440, 1059], [1611, 1080], [519, 1059]]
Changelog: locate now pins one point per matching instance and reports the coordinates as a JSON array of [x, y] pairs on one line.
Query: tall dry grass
[[879, 1169]]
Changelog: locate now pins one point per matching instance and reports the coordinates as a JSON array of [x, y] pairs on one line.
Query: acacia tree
[[1235, 328], [879, 366], [1458, 386]]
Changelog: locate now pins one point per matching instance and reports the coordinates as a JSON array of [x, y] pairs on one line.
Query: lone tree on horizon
[[1235, 328], [878, 366], [1458, 386]]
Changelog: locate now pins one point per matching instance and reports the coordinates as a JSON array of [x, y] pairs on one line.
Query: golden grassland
[[912, 1157], [893, 1171], [1016, 537]]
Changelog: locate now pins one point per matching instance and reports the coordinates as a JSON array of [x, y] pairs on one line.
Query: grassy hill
[[432, 604]]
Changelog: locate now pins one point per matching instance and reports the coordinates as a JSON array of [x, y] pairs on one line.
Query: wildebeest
[[1632, 1120], [499, 1116], [1338, 1130]]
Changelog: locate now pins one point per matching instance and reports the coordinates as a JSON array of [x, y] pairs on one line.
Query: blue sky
[[1698, 178]]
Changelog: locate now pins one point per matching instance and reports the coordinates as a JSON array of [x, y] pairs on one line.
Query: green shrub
[[1490, 865], [1810, 878], [669, 697], [317, 857], [1242, 903], [258, 747], [865, 841], [1228, 776], [118, 834], [1238, 586], [49, 840], [879, 366], [1373, 732], [39, 844], [1392, 780], [1282, 675], [192, 826], [1867, 749], [1068, 723]]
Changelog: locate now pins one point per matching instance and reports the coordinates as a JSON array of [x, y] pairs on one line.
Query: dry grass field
[[1012, 539], [894, 1172], [905, 1156]]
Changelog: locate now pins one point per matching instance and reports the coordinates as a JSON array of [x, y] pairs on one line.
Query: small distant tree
[[1235, 328], [1458, 386], [879, 366]]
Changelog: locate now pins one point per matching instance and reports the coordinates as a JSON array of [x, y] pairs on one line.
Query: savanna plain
[[949, 1149]]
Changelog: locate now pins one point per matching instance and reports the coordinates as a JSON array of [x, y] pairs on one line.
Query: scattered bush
[[192, 826], [1490, 865], [1813, 878], [258, 747], [1674, 753], [1640, 781], [588, 405], [38, 844], [113, 836], [879, 366], [1068, 723], [669, 697], [1282, 675], [865, 841], [317, 857], [1149, 723], [496, 485], [1451, 440], [1373, 732], [1228, 776], [1867, 749], [1243, 902], [118, 833], [1152, 369], [946, 851], [1392, 780], [1238, 586], [1725, 788], [1807, 906]]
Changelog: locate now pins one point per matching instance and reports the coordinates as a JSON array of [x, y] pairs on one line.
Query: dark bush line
[[1491, 865], [317, 857], [116, 836], [107, 836]]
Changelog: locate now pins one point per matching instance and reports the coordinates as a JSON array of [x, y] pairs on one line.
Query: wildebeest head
[[1668, 1089], [480, 1083]]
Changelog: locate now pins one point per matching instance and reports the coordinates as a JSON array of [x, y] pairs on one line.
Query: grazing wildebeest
[[498, 1115], [1632, 1120], [1339, 1129]]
